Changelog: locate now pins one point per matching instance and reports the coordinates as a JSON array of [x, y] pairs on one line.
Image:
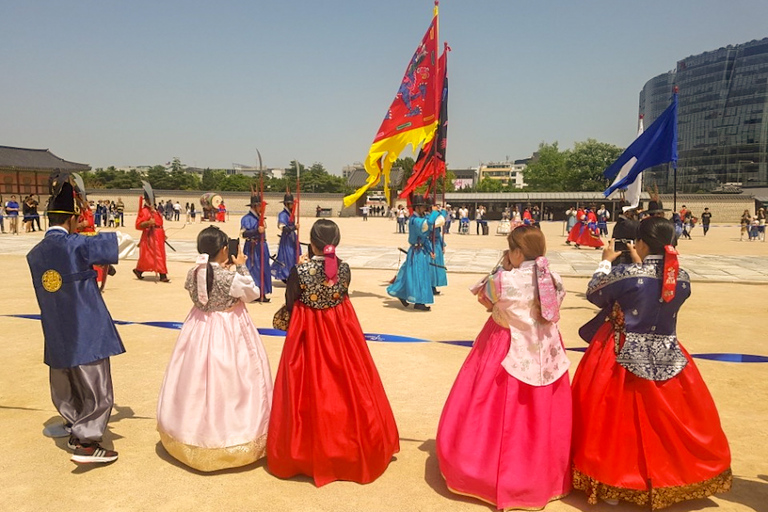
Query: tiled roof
[[43, 159], [359, 177]]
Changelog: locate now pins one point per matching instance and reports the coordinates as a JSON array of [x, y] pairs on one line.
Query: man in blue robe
[[256, 249], [414, 280], [436, 219], [78, 330], [286, 251]]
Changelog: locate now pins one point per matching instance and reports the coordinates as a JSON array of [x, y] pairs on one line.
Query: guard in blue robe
[[78, 330], [286, 251], [413, 283], [256, 249], [436, 220]]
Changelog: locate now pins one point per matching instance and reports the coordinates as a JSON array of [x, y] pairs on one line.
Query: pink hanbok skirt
[[501, 440], [216, 397]]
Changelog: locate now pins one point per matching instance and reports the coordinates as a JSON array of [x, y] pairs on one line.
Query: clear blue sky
[[109, 82]]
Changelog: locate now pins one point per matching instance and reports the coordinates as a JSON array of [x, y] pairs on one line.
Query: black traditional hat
[[288, 198], [655, 207], [418, 200], [149, 194], [62, 192], [255, 200]]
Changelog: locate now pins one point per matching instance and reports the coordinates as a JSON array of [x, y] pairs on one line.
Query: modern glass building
[[722, 119]]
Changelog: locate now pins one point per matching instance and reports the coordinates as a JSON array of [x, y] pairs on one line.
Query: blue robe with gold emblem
[[77, 327]]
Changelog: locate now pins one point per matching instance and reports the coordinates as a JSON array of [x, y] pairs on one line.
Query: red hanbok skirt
[[635, 438], [501, 440], [331, 419]]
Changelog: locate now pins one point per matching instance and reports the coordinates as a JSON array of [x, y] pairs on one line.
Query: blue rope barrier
[[393, 338]]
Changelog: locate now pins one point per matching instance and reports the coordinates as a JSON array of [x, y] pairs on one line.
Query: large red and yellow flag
[[412, 117], [431, 160]]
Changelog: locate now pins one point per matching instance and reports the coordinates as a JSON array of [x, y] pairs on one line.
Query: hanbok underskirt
[[501, 440], [636, 439], [504, 228], [216, 397], [331, 418]]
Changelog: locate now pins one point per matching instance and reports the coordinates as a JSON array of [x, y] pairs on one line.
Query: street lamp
[[738, 177]]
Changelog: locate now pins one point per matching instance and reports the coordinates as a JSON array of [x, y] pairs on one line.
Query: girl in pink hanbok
[[216, 397], [505, 433]]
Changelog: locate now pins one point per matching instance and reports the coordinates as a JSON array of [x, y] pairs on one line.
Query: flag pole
[[297, 209]]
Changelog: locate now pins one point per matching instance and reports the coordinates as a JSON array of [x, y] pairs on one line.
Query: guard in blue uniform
[[286, 251], [79, 333], [414, 279], [256, 248], [436, 220]]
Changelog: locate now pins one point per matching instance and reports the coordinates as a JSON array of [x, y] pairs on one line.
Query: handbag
[[282, 319]]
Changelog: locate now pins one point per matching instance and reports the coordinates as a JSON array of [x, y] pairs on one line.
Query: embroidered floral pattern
[[660, 497], [219, 298], [651, 356], [316, 290]]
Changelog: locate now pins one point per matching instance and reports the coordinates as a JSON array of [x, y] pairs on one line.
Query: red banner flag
[[412, 116], [431, 160]]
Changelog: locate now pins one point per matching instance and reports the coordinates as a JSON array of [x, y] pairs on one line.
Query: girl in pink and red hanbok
[[505, 432], [331, 418]]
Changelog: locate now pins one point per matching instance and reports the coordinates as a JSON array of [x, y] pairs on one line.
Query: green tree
[[212, 179], [490, 185], [586, 163], [236, 182], [548, 171]]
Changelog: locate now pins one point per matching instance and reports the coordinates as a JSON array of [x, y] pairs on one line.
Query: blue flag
[[657, 145]]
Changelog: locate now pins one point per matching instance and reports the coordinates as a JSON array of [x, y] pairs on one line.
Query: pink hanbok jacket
[[536, 352]]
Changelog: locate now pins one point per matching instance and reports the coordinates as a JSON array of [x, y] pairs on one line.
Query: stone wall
[[724, 207]]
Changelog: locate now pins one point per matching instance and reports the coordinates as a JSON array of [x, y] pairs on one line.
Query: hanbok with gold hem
[[216, 396], [645, 427]]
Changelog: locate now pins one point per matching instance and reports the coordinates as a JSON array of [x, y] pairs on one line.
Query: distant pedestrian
[[746, 220], [365, 208], [12, 212], [706, 217], [761, 224], [602, 220], [401, 216]]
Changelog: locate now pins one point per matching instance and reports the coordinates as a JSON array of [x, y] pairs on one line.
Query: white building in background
[[347, 170], [506, 172]]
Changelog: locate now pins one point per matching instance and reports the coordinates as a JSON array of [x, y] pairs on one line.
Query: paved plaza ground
[[726, 313]]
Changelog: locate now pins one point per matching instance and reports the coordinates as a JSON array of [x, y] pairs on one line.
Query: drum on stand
[[210, 202]]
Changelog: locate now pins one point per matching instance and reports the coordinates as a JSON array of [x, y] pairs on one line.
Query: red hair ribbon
[[331, 263], [671, 267]]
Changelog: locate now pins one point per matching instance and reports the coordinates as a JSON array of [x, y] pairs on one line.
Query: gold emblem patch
[[51, 281]]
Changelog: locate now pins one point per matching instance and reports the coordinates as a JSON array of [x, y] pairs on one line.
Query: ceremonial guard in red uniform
[[152, 243]]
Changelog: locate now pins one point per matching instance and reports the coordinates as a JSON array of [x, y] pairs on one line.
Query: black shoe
[[435, 291], [262, 299], [111, 271], [404, 303], [422, 307], [164, 278], [72, 443], [567, 242], [138, 274], [93, 452]]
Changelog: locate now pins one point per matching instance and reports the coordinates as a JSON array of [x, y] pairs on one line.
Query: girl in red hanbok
[[331, 419], [152, 243], [505, 433], [645, 428]]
